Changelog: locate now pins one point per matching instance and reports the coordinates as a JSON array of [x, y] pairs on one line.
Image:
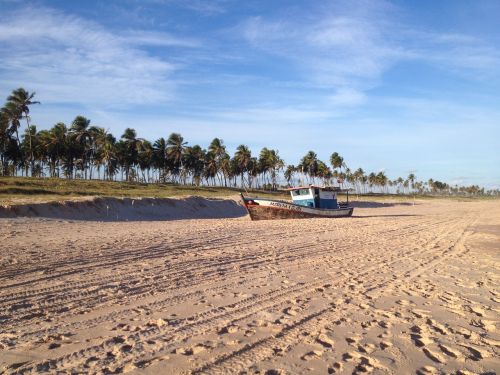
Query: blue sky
[[402, 86]]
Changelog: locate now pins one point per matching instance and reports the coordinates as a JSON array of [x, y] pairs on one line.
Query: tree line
[[81, 150]]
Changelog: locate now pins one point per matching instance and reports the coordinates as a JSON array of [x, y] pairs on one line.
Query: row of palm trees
[[81, 150]]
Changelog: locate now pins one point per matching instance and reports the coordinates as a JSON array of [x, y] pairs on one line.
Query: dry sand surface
[[397, 289]]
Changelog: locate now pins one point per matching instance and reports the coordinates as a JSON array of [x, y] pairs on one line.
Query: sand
[[397, 289]]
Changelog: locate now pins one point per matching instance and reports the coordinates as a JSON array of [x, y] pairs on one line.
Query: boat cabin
[[315, 196]]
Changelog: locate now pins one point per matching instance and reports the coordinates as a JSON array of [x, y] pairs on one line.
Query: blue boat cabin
[[315, 197]]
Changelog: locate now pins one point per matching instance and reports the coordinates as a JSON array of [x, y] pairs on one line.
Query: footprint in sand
[[157, 323], [385, 344], [232, 342], [126, 368], [451, 352], [290, 311], [437, 326], [367, 348], [127, 348], [367, 365], [476, 353], [314, 354], [385, 324], [228, 329], [275, 372], [368, 324], [487, 325], [427, 370], [462, 331], [353, 340], [465, 372], [476, 310], [436, 357], [364, 363], [420, 313], [351, 356], [193, 350], [420, 340], [336, 368], [325, 341]]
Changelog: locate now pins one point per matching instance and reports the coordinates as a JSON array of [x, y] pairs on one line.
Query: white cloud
[[463, 54], [348, 51], [203, 7], [347, 97], [67, 59], [154, 38], [349, 46]]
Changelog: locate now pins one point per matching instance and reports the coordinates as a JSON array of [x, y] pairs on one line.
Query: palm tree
[[129, 147], [194, 162], [9, 148], [253, 170], [309, 165], [217, 147], [218, 150], [174, 152], [145, 159], [28, 146], [226, 168], [11, 115], [359, 175], [289, 172], [211, 168], [99, 138], [411, 180], [381, 180], [336, 160], [270, 162], [242, 157], [372, 180], [323, 172], [108, 156], [82, 139], [277, 164], [160, 158], [18, 106], [51, 145]]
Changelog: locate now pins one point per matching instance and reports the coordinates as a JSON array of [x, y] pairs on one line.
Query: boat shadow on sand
[[370, 216], [128, 209], [361, 204], [367, 204]]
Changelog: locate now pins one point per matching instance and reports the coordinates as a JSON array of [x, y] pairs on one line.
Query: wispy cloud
[[203, 7], [70, 59], [349, 46], [346, 51], [155, 38], [464, 54]]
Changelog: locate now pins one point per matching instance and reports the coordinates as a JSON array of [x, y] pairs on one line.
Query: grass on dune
[[30, 190], [26, 190]]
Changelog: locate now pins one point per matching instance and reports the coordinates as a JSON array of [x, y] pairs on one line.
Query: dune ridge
[[129, 209]]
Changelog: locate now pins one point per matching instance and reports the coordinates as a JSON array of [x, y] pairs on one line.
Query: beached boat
[[307, 202]]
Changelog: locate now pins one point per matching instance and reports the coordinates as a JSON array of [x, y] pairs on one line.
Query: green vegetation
[[30, 189], [165, 167]]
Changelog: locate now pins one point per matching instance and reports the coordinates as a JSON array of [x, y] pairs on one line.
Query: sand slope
[[123, 209], [395, 290]]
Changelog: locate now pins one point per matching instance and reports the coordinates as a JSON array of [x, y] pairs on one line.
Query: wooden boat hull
[[268, 209]]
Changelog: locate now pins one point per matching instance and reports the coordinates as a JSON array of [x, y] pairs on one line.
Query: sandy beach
[[396, 289]]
